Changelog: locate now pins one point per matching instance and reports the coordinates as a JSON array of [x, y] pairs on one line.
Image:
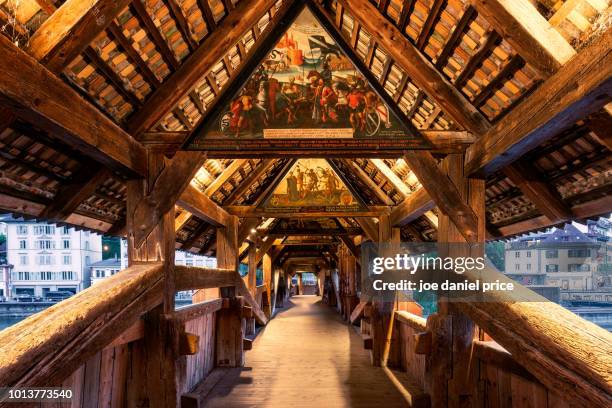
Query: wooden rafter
[[443, 192], [181, 219], [140, 11], [73, 193], [199, 232], [274, 30], [365, 178], [171, 183], [38, 96], [545, 197], [70, 29], [117, 34], [248, 181], [199, 63], [225, 175], [200, 205], [580, 87], [528, 32], [413, 206], [369, 227], [410, 59]]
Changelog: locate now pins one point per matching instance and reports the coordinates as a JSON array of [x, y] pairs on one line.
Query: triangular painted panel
[[305, 88], [311, 185]]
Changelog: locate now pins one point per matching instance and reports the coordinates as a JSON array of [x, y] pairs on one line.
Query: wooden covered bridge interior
[[100, 101]]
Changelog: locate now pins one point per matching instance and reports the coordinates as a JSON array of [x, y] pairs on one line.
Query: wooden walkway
[[307, 357]]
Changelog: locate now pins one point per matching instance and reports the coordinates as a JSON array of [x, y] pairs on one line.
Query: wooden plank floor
[[307, 357]]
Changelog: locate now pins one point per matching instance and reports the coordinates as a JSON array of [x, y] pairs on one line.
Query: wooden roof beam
[[369, 227], [245, 211], [246, 14], [595, 208], [544, 195], [391, 177], [38, 96], [246, 228], [70, 29], [181, 220], [528, 32], [443, 192], [246, 183], [365, 178], [200, 231], [74, 192], [579, 88], [225, 175], [413, 206], [200, 205], [172, 182], [411, 60]]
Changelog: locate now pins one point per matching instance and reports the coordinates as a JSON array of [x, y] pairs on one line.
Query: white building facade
[[46, 257]]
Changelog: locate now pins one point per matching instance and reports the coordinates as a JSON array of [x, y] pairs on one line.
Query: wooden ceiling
[[152, 69]]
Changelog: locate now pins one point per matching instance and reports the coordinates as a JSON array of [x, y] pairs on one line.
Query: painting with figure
[[306, 88], [311, 183]]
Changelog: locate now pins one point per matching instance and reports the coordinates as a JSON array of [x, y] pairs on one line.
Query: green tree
[[496, 253]]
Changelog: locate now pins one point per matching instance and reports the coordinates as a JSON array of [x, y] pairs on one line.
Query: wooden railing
[[197, 322], [542, 352], [47, 347], [95, 342]]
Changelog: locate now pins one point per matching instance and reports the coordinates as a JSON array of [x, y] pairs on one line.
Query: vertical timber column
[[300, 288], [268, 278], [349, 266], [385, 336], [230, 328], [160, 376], [451, 378], [252, 284]]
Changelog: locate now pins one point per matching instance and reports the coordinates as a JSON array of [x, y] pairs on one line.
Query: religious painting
[[306, 88], [311, 185]]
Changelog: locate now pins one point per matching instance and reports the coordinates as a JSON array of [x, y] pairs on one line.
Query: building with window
[[104, 269], [566, 258], [46, 257]]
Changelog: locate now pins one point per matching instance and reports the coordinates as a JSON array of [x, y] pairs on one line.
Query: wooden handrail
[[195, 277], [242, 290], [48, 346], [418, 323], [196, 310], [491, 352], [565, 352]]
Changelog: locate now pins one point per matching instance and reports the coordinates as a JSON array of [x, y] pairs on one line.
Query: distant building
[[45, 257], [566, 258], [180, 258], [104, 269]]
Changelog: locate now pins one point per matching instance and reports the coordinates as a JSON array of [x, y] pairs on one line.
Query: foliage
[[495, 251], [111, 247]]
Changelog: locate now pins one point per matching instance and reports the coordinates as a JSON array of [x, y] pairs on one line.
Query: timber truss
[[497, 91]]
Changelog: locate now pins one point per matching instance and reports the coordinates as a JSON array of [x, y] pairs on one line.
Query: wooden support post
[[348, 285], [161, 343], [451, 378], [268, 279], [386, 341], [230, 330], [251, 281], [300, 289], [227, 256]]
